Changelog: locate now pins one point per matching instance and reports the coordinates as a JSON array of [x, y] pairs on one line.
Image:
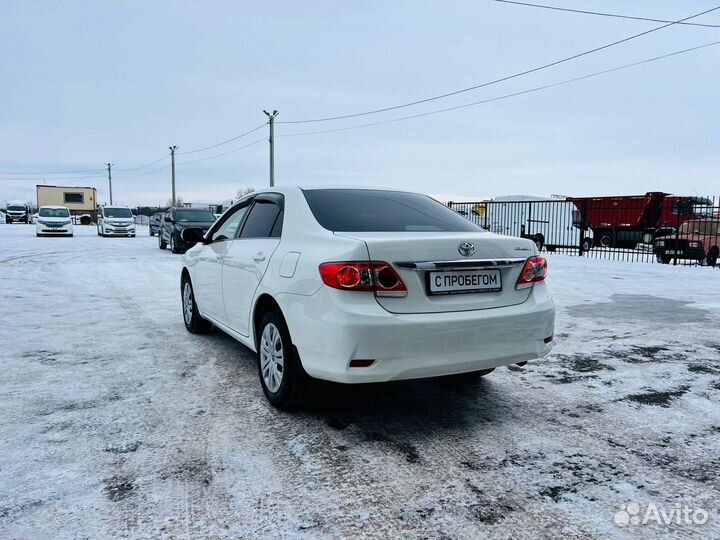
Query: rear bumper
[[331, 328]]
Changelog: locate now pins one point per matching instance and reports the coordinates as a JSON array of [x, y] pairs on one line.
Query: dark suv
[[177, 219]]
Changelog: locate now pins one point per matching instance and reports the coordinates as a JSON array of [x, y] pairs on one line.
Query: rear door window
[[262, 221]]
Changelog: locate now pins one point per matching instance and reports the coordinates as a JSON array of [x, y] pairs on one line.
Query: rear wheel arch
[[264, 304]]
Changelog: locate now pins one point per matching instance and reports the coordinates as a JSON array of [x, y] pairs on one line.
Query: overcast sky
[[86, 82]]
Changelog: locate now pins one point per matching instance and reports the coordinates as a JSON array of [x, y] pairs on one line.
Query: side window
[[229, 229], [261, 221]]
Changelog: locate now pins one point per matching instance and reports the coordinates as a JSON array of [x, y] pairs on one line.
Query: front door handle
[[259, 256], [220, 257]]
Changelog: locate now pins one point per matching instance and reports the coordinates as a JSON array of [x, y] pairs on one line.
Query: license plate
[[674, 252], [464, 281]]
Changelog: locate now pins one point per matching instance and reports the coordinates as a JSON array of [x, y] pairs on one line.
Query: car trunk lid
[[419, 257]]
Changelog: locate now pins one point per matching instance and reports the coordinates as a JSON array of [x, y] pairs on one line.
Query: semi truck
[[81, 201]]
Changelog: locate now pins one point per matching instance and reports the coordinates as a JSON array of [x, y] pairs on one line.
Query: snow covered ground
[[117, 423]]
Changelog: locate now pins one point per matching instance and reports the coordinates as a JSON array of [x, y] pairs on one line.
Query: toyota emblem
[[466, 248]]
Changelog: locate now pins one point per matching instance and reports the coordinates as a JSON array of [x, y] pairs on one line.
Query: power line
[[224, 142], [506, 96], [145, 173], [194, 160], [54, 179], [602, 14], [224, 153], [502, 79], [55, 172], [144, 166]]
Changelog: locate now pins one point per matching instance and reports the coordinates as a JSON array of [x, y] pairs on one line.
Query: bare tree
[[178, 202], [244, 191]]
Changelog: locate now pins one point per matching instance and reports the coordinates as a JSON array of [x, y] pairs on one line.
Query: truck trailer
[[81, 201]]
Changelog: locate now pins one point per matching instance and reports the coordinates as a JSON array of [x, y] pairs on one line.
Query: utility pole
[[109, 168], [271, 140], [172, 158]]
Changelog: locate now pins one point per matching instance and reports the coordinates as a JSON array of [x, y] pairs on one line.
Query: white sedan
[[364, 285], [53, 221]]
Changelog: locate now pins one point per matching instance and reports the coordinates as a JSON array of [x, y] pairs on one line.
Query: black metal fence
[[654, 227]]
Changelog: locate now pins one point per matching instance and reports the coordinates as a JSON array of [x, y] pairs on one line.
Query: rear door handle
[[259, 257]]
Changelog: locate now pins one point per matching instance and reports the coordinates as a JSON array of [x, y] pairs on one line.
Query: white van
[[549, 222], [53, 221], [115, 221]]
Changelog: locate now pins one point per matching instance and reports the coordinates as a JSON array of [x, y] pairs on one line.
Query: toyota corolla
[[364, 285]]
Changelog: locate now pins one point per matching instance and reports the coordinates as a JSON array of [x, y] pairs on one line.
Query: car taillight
[[378, 277], [535, 269]]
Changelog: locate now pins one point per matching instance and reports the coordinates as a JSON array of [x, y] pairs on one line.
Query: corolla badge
[[466, 248]]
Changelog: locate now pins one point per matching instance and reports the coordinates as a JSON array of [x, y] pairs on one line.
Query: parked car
[[697, 240], [156, 222], [361, 285], [18, 212], [54, 221], [177, 219], [115, 221]]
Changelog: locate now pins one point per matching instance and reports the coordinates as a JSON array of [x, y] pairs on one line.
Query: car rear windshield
[[194, 215], [54, 212], [117, 212], [368, 210]]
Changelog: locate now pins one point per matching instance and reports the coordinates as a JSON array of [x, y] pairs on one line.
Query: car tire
[[152, 233], [194, 322], [587, 244], [663, 259], [277, 358], [173, 245], [607, 240], [161, 244], [712, 257]]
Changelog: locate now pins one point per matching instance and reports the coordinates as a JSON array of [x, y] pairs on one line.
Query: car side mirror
[[168, 219], [193, 235]]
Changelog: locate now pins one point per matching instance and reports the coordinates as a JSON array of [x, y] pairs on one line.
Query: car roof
[[53, 207], [114, 206]]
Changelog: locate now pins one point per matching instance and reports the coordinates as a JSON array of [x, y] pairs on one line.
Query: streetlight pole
[[271, 140], [109, 169], [172, 158]]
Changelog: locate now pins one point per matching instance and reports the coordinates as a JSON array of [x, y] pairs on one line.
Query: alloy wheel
[[187, 302], [272, 358]]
